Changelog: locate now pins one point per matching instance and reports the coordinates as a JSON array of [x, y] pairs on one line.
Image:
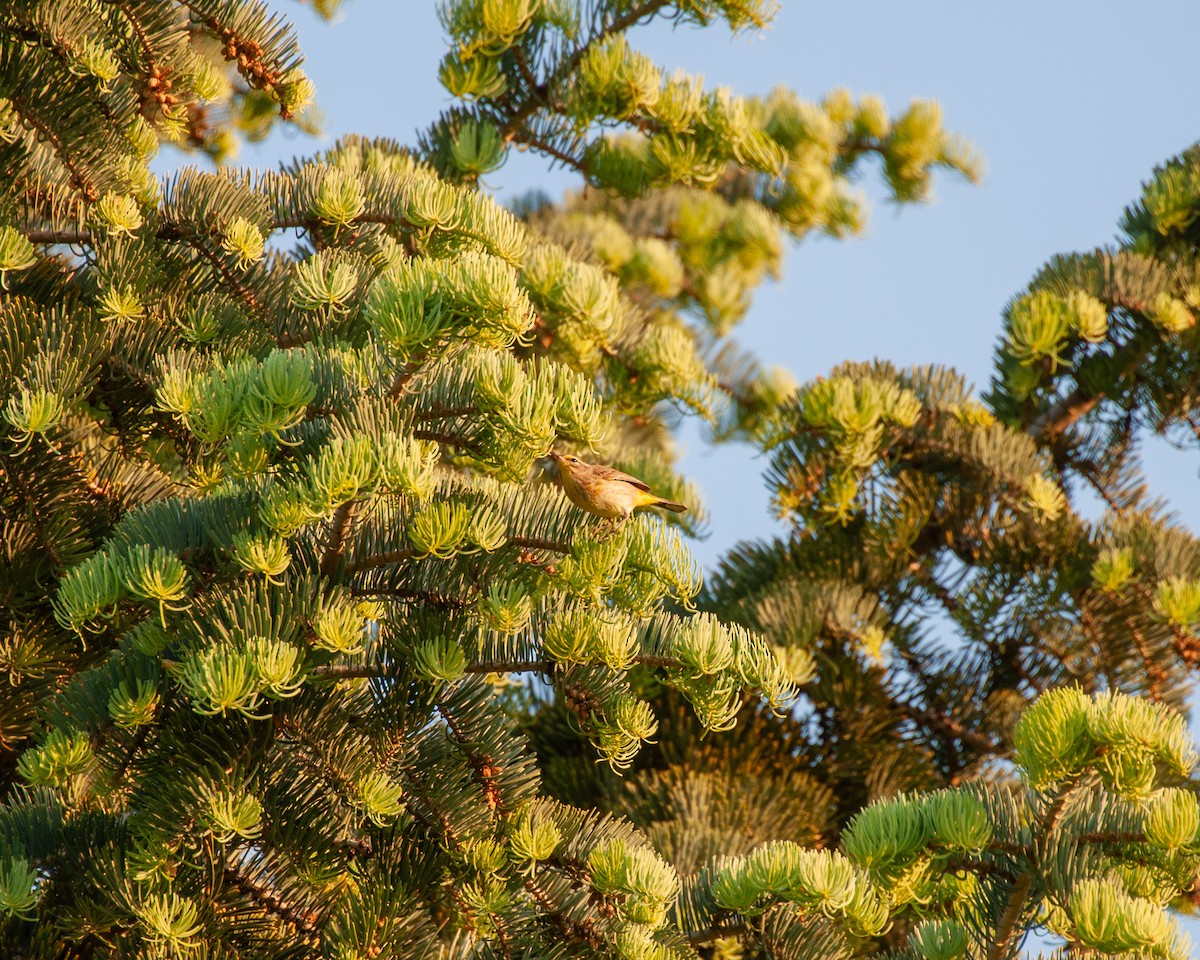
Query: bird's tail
[[671, 505]]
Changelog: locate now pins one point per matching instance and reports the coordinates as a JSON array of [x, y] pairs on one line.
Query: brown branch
[[523, 67], [1112, 836], [168, 231], [139, 30], [952, 728], [534, 543], [402, 378], [430, 597], [339, 528], [718, 931], [364, 671], [1064, 413], [979, 867], [75, 238], [1154, 673], [1020, 891], [138, 742], [441, 413], [538, 144], [583, 932], [310, 224], [171, 231], [1068, 410], [450, 439], [538, 95], [223, 271], [1008, 919], [1089, 473], [379, 560], [270, 901], [87, 188], [408, 553], [923, 575]]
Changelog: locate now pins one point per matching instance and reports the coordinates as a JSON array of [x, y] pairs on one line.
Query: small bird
[[606, 492]]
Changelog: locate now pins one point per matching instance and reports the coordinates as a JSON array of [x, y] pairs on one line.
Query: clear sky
[[1071, 103]]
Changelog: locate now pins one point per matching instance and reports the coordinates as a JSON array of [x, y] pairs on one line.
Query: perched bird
[[606, 492]]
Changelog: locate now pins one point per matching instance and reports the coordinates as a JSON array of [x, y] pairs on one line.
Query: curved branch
[[538, 95], [81, 182], [1068, 410]]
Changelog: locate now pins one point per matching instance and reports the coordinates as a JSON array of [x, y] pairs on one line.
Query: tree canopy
[[306, 657]]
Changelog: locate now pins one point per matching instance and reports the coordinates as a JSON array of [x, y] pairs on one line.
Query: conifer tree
[[963, 621], [304, 661]]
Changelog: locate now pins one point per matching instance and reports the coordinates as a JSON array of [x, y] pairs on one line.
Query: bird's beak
[[554, 455]]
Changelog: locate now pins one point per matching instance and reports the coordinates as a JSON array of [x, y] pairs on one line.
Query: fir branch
[[539, 96], [550, 150], [380, 560], [79, 236], [1063, 413], [1069, 409], [339, 529], [979, 868], [1006, 926], [554, 915], [138, 741], [223, 271], [1186, 644], [267, 898], [367, 671], [70, 237], [1154, 673], [1091, 473], [90, 191], [1114, 836], [434, 599], [523, 67], [1013, 907], [138, 30], [536, 543], [485, 771], [718, 931], [922, 574], [402, 378], [951, 728], [445, 413], [451, 440], [408, 553], [415, 776], [312, 224]]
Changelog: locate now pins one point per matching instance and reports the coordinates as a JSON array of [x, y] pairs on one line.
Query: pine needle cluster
[[305, 657]]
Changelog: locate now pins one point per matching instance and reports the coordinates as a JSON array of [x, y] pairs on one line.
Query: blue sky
[[1071, 104]]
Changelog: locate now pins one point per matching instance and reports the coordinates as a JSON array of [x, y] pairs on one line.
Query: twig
[[408, 553], [363, 671], [338, 529], [538, 95], [943, 724], [1066, 411], [1020, 891]]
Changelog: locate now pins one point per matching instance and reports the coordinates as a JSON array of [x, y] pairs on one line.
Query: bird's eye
[[574, 459]]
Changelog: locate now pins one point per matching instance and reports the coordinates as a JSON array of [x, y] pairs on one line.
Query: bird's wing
[[608, 473]]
